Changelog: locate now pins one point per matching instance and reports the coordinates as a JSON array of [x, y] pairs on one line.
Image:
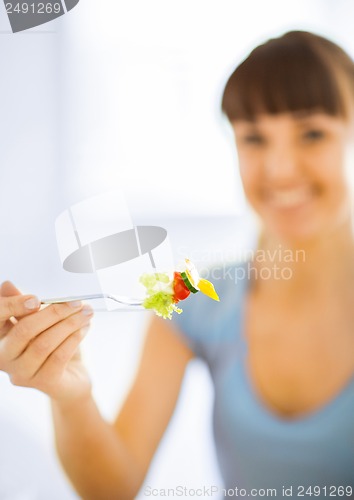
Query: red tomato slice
[[181, 292]]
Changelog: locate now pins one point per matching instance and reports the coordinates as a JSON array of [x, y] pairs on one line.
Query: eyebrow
[[301, 117]]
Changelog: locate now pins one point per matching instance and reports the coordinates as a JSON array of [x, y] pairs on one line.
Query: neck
[[318, 265]]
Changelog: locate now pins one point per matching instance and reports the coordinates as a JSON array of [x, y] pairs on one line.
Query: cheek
[[250, 173], [329, 171], [348, 168]]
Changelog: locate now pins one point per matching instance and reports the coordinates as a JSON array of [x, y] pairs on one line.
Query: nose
[[281, 162]]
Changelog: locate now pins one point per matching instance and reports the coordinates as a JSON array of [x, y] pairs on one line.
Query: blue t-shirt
[[255, 447]]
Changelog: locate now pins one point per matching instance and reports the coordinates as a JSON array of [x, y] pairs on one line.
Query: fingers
[[49, 344], [29, 327], [54, 367]]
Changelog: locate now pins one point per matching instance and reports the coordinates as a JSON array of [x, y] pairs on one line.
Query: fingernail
[[32, 303], [75, 303], [87, 311]]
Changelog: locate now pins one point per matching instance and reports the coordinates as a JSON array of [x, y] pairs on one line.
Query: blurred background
[[126, 94]]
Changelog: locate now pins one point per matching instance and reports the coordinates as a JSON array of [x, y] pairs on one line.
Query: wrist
[[67, 404]]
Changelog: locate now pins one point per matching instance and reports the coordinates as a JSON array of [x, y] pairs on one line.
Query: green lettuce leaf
[[159, 294]]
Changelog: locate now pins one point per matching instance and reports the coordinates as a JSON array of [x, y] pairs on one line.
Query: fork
[[126, 301]]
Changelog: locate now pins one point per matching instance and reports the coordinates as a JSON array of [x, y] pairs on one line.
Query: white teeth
[[289, 197]]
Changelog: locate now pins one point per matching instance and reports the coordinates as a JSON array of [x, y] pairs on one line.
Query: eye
[[313, 135], [256, 139]]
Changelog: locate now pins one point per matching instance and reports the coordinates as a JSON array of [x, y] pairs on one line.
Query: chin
[[296, 238], [304, 232]]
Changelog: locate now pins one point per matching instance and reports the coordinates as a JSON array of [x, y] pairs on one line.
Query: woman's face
[[293, 167]]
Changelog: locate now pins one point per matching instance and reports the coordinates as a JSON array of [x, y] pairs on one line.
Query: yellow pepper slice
[[208, 289]]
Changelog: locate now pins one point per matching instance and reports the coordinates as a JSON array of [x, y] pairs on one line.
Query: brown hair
[[295, 72]]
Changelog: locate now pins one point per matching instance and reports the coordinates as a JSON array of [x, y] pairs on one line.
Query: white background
[[125, 94]]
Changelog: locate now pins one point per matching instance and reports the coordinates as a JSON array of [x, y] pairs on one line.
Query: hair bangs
[[283, 75]]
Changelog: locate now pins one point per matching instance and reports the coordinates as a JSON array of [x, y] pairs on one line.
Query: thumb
[[13, 303], [8, 289]]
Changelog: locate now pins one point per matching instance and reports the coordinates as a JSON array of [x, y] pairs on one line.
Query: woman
[[280, 347]]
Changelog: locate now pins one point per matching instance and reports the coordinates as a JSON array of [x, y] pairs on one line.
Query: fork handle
[[121, 300], [61, 300]]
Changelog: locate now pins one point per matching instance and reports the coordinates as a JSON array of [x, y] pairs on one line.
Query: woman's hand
[[40, 348]]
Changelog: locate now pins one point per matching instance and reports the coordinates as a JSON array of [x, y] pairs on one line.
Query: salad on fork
[[164, 293]]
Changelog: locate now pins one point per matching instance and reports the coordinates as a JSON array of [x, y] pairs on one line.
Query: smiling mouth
[[290, 198]]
